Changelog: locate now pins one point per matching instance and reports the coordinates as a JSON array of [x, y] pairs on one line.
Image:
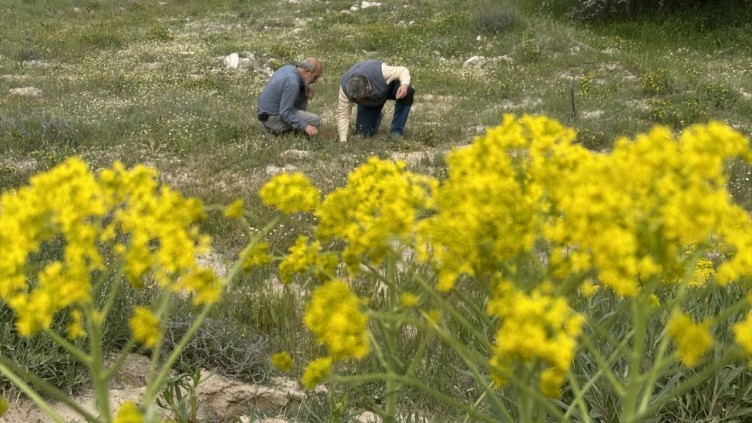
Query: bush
[[494, 17], [224, 346]]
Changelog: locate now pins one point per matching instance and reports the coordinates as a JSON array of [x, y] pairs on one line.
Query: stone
[[232, 61], [474, 62]]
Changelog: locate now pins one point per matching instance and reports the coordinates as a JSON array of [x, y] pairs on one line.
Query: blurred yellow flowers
[[151, 229]]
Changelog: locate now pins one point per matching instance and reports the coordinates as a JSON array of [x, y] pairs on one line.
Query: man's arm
[[287, 102], [392, 73], [344, 110]]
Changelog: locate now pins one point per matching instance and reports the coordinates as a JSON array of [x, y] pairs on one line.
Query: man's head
[[310, 69], [358, 87]]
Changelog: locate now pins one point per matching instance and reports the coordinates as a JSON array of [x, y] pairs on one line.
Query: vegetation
[[145, 83]]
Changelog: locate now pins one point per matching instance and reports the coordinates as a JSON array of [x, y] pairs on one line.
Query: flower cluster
[[743, 336], [380, 204], [487, 210], [692, 339], [335, 318], [316, 372], [78, 217], [256, 255], [626, 222], [128, 413], [306, 256], [630, 214], [290, 193], [535, 326], [282, 361], [625, 215]]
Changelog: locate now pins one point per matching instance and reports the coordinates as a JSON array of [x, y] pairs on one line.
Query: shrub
[[493, 17]]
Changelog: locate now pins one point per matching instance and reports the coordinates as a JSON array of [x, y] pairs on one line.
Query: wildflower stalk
[[728, 357], [155, 387], [26, 389], [605, 365], [578, 402], [406, 380], [636, 355], [471, 328], [72, 349], [96, 361], [391, 328], [120, 359]]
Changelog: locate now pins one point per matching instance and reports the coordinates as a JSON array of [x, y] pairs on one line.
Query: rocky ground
[[220, 399]]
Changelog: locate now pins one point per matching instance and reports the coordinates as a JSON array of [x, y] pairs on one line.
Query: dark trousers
[[368, 118]]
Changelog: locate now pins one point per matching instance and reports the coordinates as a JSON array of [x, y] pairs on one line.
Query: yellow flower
[[306, 256], [702, 273], [533, 326], [655, 302], [743, 335], [290, 193], [316, 372], [409, 300], [145, 326], [203, 283], [86, 214], [692, 340], [588, 288], [3, 406], [379, 205], [488, 208], [334, 317], [256, 256], [300, 258], [551, 381], [282, 361], [76, 327], [128, 413], [235, 210]]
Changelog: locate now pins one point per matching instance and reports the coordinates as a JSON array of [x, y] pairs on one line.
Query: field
[[149, 82]]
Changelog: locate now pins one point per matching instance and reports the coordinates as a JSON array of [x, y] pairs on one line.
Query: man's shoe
[[395, 137]]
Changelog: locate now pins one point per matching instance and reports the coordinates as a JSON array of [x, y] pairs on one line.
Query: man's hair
[[356, 86], [308, 65]]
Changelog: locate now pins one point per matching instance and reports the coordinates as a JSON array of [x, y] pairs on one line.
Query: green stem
[[162, 313], [113, 269], [418, 356], [391, 328], [654, 372], [579, 398], [96, 362], [159, 379], [120, 360], [155, 386], [72, 349], [18, 376], [729, 357], [470, 358], [527, 402], [111, 298], [410, 381], [471, 328], [604, 365], [635, 380]]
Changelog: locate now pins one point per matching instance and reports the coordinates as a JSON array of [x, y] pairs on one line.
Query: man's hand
[[311, 131], [309, 92], [401, 91]]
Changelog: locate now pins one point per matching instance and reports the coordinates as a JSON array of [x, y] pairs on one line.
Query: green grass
[[143, 82]]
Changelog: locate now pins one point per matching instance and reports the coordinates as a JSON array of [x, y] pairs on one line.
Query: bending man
[[369, 84]]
